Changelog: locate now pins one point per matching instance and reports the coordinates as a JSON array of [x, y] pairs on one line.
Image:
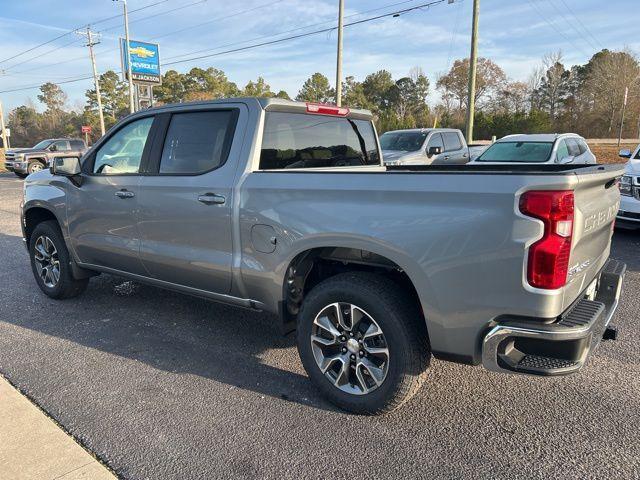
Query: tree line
[[585, 99]]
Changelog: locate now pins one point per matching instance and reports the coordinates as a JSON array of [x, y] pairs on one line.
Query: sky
[[513, 33]]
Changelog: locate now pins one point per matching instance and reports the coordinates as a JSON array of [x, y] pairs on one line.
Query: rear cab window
[[299, 140]]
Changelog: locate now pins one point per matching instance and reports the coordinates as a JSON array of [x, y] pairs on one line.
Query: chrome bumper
[[561, 347]]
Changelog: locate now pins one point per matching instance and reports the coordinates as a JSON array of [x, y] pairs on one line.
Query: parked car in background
[[426, 146], [539, 148], [629, 213], [23, 161], [285, 207]]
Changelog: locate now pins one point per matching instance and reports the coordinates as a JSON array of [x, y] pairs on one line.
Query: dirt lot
[[608, 152]]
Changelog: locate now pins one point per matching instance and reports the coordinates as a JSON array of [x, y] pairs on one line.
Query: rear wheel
[[363, 342], [50, 262]]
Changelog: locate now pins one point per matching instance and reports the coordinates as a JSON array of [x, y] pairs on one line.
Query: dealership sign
[[145, 61]]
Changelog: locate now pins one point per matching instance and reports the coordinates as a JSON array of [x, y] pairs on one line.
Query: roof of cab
[[424, 130], [266, 103]]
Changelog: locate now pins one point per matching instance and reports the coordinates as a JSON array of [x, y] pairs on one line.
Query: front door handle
[[125, 194], [211, 199]]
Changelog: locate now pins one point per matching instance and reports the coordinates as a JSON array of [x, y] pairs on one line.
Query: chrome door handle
[[125, 194], [211, 199], [446, 157]]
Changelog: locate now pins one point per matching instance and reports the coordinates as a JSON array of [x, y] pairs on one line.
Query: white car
[[629, 213], [538, 148]]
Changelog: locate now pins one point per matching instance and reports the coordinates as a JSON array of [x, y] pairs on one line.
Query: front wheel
[[35, 166], [363, 342], [50, 262]]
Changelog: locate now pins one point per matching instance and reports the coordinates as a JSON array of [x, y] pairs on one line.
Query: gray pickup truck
[[427, 146], [24, 161], [285, 207]]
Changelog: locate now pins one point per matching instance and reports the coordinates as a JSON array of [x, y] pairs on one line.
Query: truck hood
[[24, 151]]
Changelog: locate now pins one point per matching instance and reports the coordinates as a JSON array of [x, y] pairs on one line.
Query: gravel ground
[[160, 385]]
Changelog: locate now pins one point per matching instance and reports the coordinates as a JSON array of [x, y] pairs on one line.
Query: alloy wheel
[[47, 262], [349, 348]]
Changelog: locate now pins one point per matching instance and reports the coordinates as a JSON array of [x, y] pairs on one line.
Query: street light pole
[[339, 55], [473, 61], [132, 106]]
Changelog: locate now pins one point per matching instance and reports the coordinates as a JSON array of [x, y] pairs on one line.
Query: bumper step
[[535, 362]]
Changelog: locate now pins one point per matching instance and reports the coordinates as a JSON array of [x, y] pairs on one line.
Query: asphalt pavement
[[161, 385]]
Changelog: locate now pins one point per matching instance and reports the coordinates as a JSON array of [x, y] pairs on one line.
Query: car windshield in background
[[298, 140], [517, 152], [402, 141], [42, 145]]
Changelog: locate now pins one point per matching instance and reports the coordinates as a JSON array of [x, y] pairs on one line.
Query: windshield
[[525, 152], [42, 145], [403, 141]]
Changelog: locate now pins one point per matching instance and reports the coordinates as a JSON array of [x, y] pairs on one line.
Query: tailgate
[[596, 202]]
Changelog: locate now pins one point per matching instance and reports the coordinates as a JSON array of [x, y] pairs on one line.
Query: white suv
[[538, 148], [629, 213]]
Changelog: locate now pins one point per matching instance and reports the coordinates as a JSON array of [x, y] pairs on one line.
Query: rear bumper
[[561, 347]]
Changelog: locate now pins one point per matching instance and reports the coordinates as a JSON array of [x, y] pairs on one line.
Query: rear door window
[[298, 140], [197, 142], [451, 141], [77, 145], [572, 145]]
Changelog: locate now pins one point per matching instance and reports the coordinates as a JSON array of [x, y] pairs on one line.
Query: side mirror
[[434, 151], [624, 153], [65, 166], [567, 159], [53, 148]]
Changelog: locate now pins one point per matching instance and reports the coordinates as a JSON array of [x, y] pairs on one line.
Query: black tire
[[21, 175], [66, 286], [404, 331], [35, 166]]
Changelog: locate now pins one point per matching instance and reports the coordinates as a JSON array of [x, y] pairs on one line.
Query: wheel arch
[[319, 260], [35, 215]]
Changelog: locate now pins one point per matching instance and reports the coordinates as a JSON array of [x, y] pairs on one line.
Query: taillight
[[322, 109], [549, 257]]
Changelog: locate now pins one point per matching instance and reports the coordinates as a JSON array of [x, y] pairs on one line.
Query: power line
[[156, 15], [572, 13], [74, 41], [19, 54], [553, 25], [108, 50], [315, 32], [568, 21], [257, 45], [284, 32]]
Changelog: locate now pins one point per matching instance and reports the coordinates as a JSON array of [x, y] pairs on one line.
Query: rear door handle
[[211, 199], [125, 194]]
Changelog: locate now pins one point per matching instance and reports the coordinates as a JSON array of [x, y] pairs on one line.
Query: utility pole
[[473, 61], [5, 145], [132, 105], [90, 44], [339, 55], [624, 106]]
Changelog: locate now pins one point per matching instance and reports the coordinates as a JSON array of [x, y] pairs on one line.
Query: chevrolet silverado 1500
[[285, 207]]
